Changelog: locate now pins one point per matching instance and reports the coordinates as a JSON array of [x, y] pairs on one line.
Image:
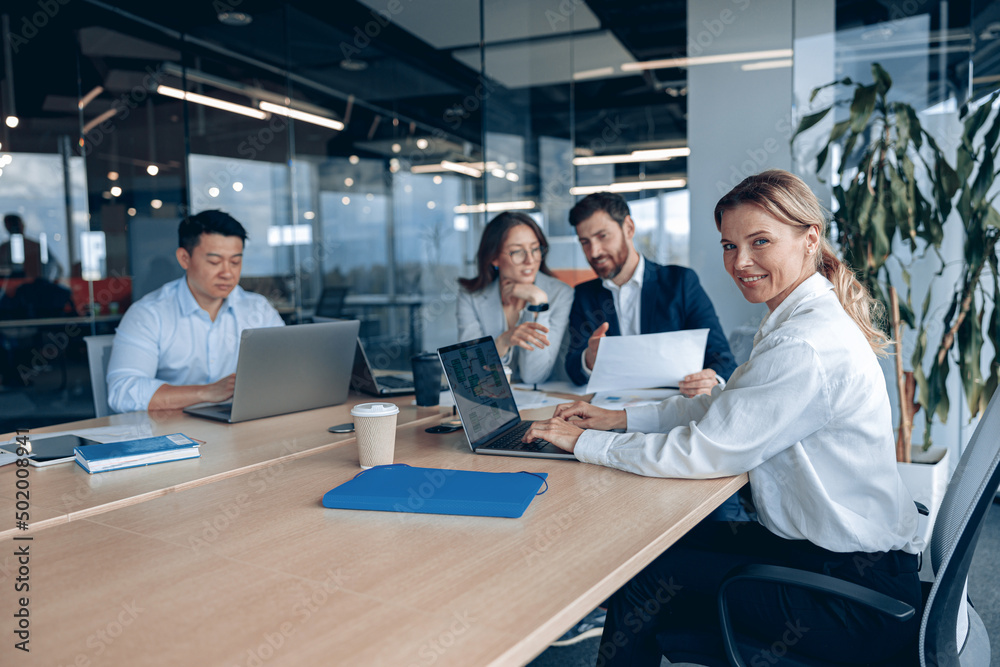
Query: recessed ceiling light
[[235, 18]]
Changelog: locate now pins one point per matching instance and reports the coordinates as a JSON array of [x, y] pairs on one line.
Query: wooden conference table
[[230, 559]]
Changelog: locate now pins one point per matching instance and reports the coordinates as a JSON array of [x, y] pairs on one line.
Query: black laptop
[[364, 379], [486, 405]]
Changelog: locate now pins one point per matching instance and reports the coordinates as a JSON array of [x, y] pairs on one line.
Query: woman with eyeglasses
[[515, 299]]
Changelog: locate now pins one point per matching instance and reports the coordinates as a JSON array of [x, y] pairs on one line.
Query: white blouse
[[807, 415]]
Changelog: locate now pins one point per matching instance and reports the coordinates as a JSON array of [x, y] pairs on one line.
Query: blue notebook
[[401, 488], [134, 453]]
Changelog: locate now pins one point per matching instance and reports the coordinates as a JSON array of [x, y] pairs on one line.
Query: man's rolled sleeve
[[134, 359]]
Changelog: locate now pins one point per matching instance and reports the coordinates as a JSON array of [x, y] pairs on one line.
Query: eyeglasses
[[520, 256]]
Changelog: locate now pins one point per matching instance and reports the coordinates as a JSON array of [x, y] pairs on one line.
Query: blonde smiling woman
[[807, 416]]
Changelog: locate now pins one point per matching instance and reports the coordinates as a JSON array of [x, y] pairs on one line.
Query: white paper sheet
[[525, 399], [555, 387], [619, 400], [649, 360]]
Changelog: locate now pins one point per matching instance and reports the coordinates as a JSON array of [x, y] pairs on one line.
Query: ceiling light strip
[[211, 102], [766, 64], [496, 207], [652, 155], [461, 168], [707, 60], [301, 115], [631, 186]]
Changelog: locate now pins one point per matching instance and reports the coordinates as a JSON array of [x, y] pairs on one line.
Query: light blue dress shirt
[[167, 338]]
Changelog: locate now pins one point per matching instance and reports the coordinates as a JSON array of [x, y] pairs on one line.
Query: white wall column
[[740, 120]]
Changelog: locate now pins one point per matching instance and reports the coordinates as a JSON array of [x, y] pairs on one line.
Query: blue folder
[[401, 488]]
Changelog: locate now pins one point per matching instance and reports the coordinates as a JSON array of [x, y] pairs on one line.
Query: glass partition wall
[[363, 146]]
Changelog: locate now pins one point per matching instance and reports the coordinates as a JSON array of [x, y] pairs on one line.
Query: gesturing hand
[[527, 335], [595, 339]]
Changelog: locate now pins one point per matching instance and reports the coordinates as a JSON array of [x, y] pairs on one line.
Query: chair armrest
[[813, 581]]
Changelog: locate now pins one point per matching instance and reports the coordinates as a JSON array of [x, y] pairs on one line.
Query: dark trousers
[[678, 590]]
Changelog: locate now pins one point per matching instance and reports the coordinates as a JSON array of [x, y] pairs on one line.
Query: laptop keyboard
[[511, 440], [394, 382]]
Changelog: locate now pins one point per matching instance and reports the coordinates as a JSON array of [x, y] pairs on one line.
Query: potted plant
[[886, 152]]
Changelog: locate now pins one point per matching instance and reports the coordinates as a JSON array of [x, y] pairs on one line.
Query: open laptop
[[486, 404], [288, 369], [364, 379]]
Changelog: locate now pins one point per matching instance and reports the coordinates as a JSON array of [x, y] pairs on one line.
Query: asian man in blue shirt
[[178, 345]]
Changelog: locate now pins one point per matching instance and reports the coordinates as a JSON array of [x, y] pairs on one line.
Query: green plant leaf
[[846, 81], [839, 129], [969, 339], [984, 179], [862, 107], [821, 159], [916, 130], [906, 314], [883, 82], [991, 136], [903, 205], [810, 120], [974, 122]]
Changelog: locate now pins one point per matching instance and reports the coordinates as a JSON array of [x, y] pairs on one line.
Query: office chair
[[98, 356], [331, 302], [951, 632]]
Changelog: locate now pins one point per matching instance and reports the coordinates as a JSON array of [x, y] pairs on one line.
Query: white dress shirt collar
[[812, 286], [637, 276], [188, 305]]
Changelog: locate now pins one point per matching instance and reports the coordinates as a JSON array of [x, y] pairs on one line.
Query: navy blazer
[[672, 300]]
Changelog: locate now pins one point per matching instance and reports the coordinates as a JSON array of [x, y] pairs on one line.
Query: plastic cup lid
[[374, 410]]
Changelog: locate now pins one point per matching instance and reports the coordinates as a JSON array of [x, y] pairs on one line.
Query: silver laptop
[[288, 369], [486, 404]]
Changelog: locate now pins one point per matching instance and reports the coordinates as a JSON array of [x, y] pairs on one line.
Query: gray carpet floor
[[984, 589]]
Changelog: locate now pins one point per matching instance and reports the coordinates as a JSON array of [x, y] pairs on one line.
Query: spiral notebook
[[401, 488]]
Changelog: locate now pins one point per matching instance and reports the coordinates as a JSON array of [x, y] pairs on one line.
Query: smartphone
[[49, 451]]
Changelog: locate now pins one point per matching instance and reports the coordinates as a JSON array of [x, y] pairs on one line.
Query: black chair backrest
[[331, 301], [956, 533]]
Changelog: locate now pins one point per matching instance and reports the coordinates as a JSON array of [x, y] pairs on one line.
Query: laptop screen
[[481, 391]]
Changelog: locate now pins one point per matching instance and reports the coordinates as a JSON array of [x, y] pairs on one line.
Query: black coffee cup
[[427, 378]]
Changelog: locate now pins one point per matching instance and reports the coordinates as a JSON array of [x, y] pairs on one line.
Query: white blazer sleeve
[[768, 405]]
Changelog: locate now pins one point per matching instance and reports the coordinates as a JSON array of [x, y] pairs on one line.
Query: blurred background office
[[364, 144]]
